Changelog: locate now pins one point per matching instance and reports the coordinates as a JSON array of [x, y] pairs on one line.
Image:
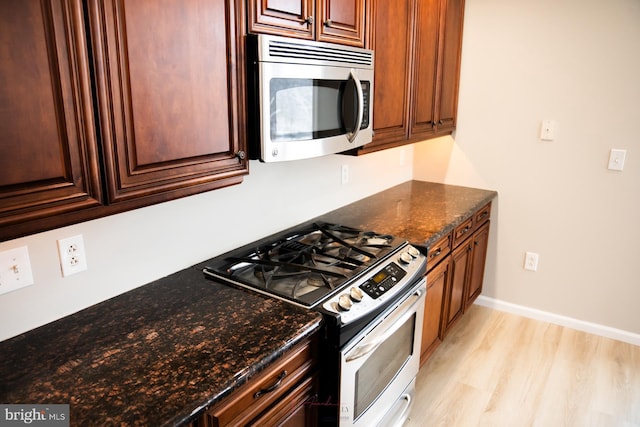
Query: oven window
[[382, 366], [303, 109]]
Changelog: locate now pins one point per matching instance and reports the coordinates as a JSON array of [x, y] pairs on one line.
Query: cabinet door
[[168, 86], [449, 78], [478, 259], [437, 281], [48, 161], [454, 304], [425, 68], [341, 21], [293, 18], [392, 43]]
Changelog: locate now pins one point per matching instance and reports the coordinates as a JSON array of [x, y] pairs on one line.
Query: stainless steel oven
[[369, 288], [378, 367]]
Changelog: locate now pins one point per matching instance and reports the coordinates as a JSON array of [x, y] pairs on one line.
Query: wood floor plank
[[498, 369]]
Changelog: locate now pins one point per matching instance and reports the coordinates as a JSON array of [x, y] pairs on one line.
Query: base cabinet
[[282, 395], [455, 272]]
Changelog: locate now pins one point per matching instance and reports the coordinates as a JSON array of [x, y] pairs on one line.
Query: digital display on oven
[[379, 278]]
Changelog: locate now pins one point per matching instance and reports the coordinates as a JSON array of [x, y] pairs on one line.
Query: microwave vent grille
[[315, 52]]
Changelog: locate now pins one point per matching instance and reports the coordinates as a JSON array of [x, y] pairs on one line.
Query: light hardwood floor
[[497, 369]]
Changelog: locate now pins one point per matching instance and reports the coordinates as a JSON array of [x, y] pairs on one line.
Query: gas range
[[341, 271]]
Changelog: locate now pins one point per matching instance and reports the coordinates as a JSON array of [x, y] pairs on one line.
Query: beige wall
[[577, 62], [131, 249]]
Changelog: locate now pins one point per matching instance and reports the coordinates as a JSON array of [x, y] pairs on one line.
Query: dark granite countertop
[[421, 212], [163, 353], [157, 355]]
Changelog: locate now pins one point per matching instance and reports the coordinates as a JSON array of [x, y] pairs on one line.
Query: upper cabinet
[[143, 102], [417, 45], [168, 96], [48, 150], [337, 21]]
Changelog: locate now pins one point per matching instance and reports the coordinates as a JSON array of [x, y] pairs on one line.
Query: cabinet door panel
[[284, 17], [460, 259], [393, 47], [437, 281], [425, 68], [169, 120], [341, 21], [46, 122], [476, 276], [450, 68]]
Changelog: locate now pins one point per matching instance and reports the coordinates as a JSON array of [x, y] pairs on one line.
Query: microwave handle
[[351, 136]]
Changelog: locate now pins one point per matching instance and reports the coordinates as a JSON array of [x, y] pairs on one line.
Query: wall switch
[[15, 269], [548, 130], [616, 159], [72, 256], [531, 261], [345, 174]]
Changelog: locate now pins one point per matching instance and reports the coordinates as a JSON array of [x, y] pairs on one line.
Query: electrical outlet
[[531, 261], [72, 256], [15, 270], [616, 159], [345, 174]]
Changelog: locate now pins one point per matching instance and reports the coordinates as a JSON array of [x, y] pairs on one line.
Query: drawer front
[[463, 231], [482, 215], [262, 391], [438, 251]]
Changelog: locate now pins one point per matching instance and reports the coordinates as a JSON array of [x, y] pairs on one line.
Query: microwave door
[[352, 106]]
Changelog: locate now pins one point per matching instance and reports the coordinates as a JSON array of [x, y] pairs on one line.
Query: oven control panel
[[379, 286], [383, 281]]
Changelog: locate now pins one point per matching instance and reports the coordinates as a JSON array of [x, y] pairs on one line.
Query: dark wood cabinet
[[418, 45], [437, 281], [337, 21], [113, 105], [283, 394], [163, 79], [455, 272], [48, 149], [454, 295]]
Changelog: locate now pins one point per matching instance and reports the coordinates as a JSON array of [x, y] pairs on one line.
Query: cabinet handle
[[483, 214], [241, 155], [309, 20], [271, 387], [464, 230], [328, 23], [436, 253]]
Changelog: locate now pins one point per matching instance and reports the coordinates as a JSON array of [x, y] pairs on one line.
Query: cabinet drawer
[[463, 231], [438, 251], [482, 215], [261, 392]]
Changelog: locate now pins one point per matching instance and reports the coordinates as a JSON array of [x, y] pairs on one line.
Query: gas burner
[[306, 264]]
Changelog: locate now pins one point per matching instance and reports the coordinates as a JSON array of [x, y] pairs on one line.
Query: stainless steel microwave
[[307, 99]]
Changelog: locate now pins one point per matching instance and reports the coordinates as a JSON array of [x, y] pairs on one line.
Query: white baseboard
[[556, 319]]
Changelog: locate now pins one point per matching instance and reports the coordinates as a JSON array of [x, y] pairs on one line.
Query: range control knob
[[356, 294], [344, 302], [413, 252], [405, 258]]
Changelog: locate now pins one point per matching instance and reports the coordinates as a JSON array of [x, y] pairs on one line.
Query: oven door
[[378, 367], [311, 110]]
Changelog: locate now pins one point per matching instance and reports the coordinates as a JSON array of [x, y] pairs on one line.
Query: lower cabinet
[[280, 395], [455, 271]]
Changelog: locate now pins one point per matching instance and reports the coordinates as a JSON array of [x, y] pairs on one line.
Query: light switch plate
[[15, 269], [616, 159]]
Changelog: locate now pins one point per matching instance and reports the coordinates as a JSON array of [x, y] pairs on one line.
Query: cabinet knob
[[328, 23], [309, 20], [241, 155]]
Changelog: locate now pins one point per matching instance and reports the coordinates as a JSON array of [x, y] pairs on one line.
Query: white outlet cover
[[15, 269], [616, 159], [73, 258]]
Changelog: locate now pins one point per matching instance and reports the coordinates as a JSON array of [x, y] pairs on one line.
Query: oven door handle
[[403, 312]]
